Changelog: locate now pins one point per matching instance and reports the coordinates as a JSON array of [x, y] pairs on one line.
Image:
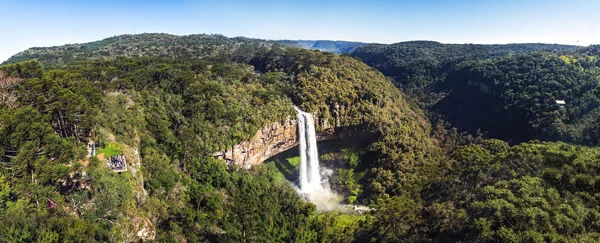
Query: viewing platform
[[111, 152], [117, 163]]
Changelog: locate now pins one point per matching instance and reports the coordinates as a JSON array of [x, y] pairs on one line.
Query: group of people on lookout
[[116, 162]]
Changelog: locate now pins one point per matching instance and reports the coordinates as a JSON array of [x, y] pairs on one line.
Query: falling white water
[[311, 184]]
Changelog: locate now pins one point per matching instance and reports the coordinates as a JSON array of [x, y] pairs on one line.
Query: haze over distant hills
[[337, 47]]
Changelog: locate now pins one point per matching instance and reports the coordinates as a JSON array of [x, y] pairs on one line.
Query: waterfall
[[311, 184], [310, 177]]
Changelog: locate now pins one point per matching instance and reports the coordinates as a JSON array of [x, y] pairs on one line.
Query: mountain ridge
[[195, 45]]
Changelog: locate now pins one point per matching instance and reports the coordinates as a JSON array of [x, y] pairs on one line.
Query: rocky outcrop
[[273, 139], [138, 226]]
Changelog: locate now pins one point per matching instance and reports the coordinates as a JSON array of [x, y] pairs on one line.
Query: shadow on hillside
[[288, 162]]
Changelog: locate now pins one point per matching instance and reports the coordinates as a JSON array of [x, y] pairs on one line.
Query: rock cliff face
[[272, 139]]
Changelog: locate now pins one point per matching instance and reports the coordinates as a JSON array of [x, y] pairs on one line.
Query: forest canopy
[[466, 142]]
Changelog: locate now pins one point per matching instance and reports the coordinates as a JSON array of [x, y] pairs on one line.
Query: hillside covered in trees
[[168, 109], [161, 45], [172, 116], [201, 46], [416, 66], [500, 91]]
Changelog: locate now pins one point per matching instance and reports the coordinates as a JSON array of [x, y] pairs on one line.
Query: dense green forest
[[201, 46], [427, 175], [498, 91], [417, 66], [175, 114], [161, 45]]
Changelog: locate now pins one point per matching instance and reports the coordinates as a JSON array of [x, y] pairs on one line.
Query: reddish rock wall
[[272, 139]]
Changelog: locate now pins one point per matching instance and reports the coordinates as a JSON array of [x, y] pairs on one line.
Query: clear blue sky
[[30, 23]]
